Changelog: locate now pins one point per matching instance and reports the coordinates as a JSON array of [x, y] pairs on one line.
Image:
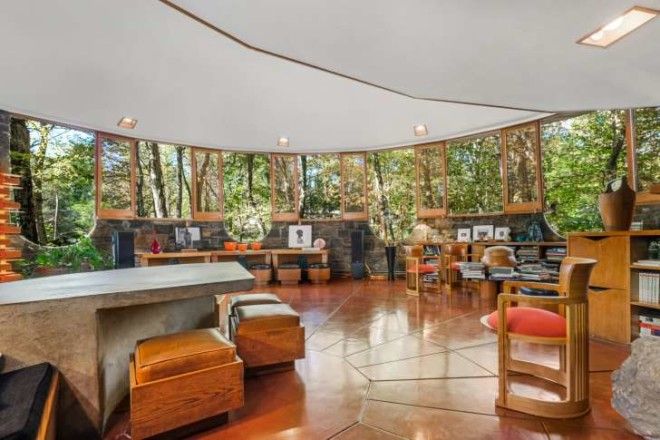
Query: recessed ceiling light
[[420, 130], [283, 142], [619, 27], [127, 122]]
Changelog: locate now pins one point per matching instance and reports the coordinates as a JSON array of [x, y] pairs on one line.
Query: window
[[247, 195], [391, 186], [207, 176], [430, 161], [319, 185], [284, 187], [354, 186], [115, 185], [474, 182], [56, 165], [647, 149], [521, 156], [163, 187], [580, 155]]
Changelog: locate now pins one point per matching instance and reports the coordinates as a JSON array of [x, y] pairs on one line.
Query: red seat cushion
[[425, 268], [456, 265], [532, 322]]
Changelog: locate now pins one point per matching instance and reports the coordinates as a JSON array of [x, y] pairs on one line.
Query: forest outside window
[[163, 181], [115, 186], [474, 180], [431, 194], [207, 180], [522, 169], [354, 186], [284, 187], [319, 187], [646, 122]]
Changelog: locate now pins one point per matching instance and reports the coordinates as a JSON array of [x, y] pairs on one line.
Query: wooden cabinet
[[612, 254], [609, 314]]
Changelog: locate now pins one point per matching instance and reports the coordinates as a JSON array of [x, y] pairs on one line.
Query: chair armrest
[[503, 299], [506, 286]]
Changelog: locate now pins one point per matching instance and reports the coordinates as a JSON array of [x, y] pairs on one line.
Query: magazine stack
[[473, 270], [649, 325]]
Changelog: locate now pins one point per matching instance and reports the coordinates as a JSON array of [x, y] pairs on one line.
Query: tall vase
[[617, 207], [390, 254]]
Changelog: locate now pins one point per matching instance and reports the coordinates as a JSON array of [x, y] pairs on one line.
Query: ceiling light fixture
[[420, 130], [619, 27], [283, 142], [129, 123]]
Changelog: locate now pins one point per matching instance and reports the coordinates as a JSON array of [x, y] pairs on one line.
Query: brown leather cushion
[[262, 317], [179, 353], [252, 299]]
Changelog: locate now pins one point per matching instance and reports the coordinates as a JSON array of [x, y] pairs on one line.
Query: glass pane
[[647, 146], [580, 155], [354, 183], [285, 184], [320, 183], [430, 166], [163, 185], [247, 195], [474, 182], [115, 174], [521, 164], [208, 181], [391, 189]]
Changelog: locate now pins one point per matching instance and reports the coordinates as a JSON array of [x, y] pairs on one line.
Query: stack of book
[[555, 254], [473, 270], [649, 325], [502, 273], [534, 272], [528, 254], [649, 287]]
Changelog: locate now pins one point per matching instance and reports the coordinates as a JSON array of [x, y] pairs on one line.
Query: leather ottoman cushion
[[180, 353], [263, 317], [537, 292], [252, 299]]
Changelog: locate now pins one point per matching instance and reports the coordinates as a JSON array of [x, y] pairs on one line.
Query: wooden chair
[[452, 254], [573, 341], [415, 271]]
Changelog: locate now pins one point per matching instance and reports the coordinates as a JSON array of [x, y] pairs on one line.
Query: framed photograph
[[483, 232], [185, 237], [464, 235], [503, 234], [300, 236]]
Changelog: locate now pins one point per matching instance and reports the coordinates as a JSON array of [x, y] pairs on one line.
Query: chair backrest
[[456, 249], [574, 276], [417, 251], [499, 256]]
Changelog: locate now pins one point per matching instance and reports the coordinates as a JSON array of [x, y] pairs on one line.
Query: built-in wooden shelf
[[643, 267], [646, 304]]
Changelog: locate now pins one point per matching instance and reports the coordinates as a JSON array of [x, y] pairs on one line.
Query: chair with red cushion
[[416, 269], [453, 254], [567, 330]]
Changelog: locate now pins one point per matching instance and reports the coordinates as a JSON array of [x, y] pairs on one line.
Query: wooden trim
[[631, 147], [533, 205], [430, 212], [98, 178], [285, 216], [48, 424], [213, 215], [364, 214]]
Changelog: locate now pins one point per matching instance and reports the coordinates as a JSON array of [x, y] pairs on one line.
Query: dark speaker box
[[123, 249], [357, 246]]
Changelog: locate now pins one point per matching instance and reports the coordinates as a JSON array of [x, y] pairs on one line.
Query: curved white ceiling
[[90, 62]]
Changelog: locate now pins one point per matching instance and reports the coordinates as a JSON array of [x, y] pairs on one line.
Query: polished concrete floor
[[384, 365]]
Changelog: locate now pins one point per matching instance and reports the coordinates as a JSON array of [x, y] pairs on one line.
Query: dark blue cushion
[[537, 292]]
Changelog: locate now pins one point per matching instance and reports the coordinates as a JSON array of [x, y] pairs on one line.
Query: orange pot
[[230, 245], [242, 247], [255, 246]]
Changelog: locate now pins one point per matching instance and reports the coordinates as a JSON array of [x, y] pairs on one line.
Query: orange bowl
[[255, 245], [242, 247], [230, 245]]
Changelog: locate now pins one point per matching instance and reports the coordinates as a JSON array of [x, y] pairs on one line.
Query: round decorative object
[[230, 245], [617, 206], [155, 247], [499, 256], [319, 243], [255, 246], [242, 247]]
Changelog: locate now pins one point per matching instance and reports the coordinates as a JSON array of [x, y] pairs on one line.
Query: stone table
[[86, 324]]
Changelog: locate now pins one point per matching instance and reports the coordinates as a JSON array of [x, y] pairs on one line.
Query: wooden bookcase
[[613, 295]]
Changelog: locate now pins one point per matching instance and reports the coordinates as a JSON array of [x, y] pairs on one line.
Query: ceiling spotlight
[[420, 130], [127, 123], [619, 27], [283, 142]]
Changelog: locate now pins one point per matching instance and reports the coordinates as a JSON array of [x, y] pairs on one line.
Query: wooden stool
[[268, 334], [183, 378], [262, 274], [289, 274], [318, 273]]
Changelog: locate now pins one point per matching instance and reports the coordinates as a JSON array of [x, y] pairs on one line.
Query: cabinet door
[[609, 315], [612, 254]]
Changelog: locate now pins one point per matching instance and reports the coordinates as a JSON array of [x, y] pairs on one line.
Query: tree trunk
[[37, 179], [303, 189], [250, 185], [139, 185], [202, 171], [56, 214], [156, 181], [617, 149], [383, 201], [179, 181], [20, 154]]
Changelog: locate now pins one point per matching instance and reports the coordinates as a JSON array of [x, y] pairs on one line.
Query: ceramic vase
[[617, 206]]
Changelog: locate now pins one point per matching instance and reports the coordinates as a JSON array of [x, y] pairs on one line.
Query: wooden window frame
[[522, 207], [98, 178], [434, 212], [642, 197], [285, 216], [200, 215], [364, 215]]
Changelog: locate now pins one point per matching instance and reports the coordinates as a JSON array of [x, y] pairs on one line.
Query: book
[[648, 287]]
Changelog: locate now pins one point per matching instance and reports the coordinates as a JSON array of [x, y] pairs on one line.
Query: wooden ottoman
[[318, 273], [183, 378], [268, 334], [262, 274], [289, 273]]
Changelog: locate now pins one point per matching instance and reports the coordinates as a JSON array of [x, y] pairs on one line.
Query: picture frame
[[503, 233], [300, 236], [464, 235], [186, 237], [483, 232]]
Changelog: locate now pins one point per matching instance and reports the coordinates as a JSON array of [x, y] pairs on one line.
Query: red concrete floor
[[384, 365]]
